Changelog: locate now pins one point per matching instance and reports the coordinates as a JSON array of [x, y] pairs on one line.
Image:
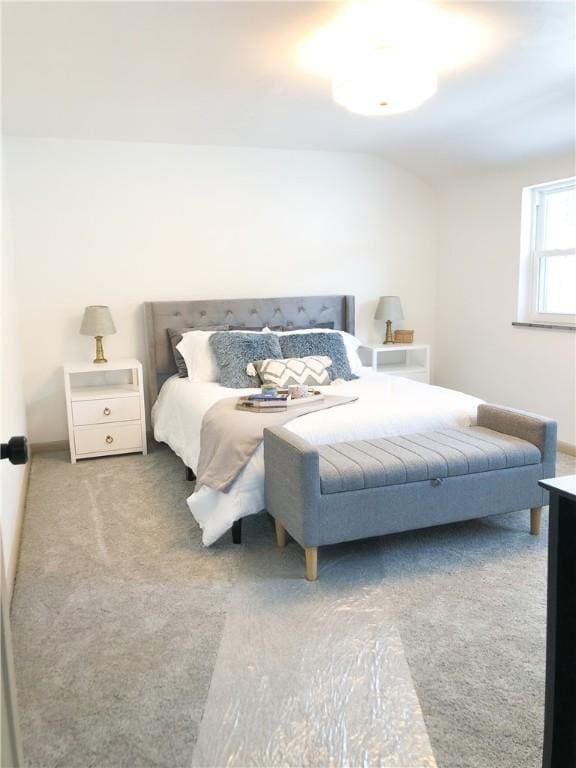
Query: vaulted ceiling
[[227, 73]]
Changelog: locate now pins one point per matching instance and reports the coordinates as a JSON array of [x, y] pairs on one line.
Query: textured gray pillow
[[234, 351], [175, 336], [319, 344]]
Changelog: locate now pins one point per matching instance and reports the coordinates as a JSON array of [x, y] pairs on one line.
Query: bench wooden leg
[[535, 518], [280, 534], [311, 563]]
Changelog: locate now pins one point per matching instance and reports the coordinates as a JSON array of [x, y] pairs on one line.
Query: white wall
[[121, 223], [12, 414], [477, 348]]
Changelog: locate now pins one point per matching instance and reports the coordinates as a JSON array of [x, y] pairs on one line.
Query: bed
[[386, 405]]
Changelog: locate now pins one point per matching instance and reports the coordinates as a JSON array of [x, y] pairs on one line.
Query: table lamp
[[389, 309], [97, 322]]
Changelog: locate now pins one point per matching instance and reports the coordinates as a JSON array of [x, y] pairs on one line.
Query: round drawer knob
[[107, 411], [109, 439]]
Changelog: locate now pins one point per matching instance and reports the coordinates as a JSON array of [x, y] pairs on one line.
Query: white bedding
[[386, 405]]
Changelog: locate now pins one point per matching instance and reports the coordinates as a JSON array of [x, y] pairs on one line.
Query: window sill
[[552, 326]]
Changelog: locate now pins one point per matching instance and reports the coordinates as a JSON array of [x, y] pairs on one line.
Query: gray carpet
[[118, 612]]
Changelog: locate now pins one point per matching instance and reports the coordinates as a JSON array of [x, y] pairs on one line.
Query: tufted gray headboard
[[298, 311]]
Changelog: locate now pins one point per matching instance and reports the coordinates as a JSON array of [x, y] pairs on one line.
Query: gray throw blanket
[[229, 437]]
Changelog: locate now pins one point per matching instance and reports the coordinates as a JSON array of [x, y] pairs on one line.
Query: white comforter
[[386, 405]]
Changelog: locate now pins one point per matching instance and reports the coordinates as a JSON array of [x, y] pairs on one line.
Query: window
[[548, 265]]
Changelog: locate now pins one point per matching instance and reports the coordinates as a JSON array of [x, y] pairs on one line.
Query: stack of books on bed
[[260, 402], [279, 401]]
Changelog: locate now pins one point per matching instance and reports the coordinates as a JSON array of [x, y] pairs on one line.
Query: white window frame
[[533, 258]]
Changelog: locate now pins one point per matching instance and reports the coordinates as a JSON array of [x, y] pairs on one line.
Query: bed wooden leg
[[535, 518], [190, 475], [311, 563], [280, 534], [237, 531]]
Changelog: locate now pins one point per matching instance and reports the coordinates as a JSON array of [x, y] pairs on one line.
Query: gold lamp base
[[389, 339], [99, 351]]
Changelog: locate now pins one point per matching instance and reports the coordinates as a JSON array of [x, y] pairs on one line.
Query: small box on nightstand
[[105, 407]]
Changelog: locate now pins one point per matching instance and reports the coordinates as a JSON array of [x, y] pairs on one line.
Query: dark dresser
[[560, 701]]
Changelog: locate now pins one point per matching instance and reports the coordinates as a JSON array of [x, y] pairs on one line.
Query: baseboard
[[57, 445], [63, 445], [13, 562]]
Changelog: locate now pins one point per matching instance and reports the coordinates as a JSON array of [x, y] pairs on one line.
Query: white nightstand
[[105, 405], [409, 360]]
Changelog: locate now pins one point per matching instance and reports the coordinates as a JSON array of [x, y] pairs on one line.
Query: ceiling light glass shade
[[384, 82]]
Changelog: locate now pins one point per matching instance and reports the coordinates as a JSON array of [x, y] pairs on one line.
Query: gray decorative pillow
[[319, 344], [295, 370], [234, 351], [175, 336], [329, 325]]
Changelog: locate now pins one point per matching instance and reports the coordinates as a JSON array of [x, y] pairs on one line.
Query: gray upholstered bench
[[333, 493]]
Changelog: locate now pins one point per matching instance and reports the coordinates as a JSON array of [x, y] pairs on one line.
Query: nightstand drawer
[[105, 410], [108, 437]]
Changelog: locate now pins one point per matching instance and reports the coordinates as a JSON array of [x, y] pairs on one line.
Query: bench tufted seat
[[353, 466], [352, 490]]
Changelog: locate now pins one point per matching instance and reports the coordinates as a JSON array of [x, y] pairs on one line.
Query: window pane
[[559, 290], [559, 220]]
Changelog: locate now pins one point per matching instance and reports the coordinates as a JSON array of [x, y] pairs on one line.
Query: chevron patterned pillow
[[294, 370]]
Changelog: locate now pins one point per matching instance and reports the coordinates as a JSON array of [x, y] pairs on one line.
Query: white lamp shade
[[389, 308], [97, 321]]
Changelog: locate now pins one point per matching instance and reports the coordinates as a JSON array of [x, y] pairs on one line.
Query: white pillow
[[197, 353], [198, 356], [350, 342]]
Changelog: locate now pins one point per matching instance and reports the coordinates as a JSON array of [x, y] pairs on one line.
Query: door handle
[[15, 450]]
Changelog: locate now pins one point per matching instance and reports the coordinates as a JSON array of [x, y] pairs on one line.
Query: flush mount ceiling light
[[384, 56], [384, 82]]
